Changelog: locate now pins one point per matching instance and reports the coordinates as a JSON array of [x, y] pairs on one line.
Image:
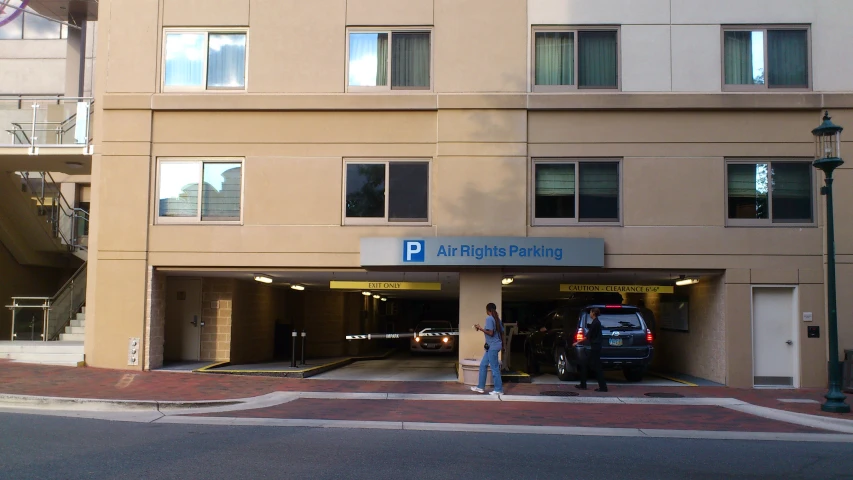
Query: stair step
[[73, 330], [78, 323], [40, 347], [44, 357], [71, 337], [81, 317]]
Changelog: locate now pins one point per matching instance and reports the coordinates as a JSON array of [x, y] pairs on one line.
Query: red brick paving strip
[[25, 379], [670, 417]]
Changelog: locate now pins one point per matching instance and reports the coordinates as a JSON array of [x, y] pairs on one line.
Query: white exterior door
[[773, 339], [183, 318]]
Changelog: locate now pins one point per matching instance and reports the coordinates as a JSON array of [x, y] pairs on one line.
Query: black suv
[[627, 343]]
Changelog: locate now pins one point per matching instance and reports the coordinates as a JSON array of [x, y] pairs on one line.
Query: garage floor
[[615, 378], [401, 367]]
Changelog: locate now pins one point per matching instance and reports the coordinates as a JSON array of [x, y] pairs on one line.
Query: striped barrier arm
[[379, 336]]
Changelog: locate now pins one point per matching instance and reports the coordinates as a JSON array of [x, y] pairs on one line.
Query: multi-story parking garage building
[[372, 158]]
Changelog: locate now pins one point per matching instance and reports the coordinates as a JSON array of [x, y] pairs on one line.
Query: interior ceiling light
[[507, 280], [262, 278], [297, 287], [377, 296], [384, 299], [366, 294], [682, 281]]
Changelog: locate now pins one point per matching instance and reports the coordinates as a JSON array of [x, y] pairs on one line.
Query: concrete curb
[[95, 404]]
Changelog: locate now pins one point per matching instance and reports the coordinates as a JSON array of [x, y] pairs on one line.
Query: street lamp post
[[828, 158]]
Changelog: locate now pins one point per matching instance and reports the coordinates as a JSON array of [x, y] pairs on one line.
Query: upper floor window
[[389, 60], [769, 192], [575, 191], [571, 59], [378, 191], [763, 58], [191, 191], [200, 60], [26, 25]]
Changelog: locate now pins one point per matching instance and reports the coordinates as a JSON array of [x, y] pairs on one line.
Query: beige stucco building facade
[[638, 108]]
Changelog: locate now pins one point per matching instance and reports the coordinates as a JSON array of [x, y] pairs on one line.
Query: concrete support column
[[75, 56], [476, 289]]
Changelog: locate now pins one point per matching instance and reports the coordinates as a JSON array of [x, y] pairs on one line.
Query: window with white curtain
[[568, 191], [192, 191], [770, 191], [202, 60], [389, 60], [569, 59], [766, 58]]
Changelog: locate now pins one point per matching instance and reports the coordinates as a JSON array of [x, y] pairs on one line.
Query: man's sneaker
[[477, 389], [496, 393]]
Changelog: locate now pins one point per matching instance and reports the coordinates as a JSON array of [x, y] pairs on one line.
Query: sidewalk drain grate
[[663, 395], [559, 393]]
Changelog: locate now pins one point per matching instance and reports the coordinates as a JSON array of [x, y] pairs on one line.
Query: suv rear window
[[618, 319]]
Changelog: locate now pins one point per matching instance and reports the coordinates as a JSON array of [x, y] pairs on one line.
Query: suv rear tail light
[[579, 336], [649, 336]]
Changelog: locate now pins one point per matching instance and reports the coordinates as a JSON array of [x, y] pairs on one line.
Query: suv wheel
[[634, 374], [564, 368]]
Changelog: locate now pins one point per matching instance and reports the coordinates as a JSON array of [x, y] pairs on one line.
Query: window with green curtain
[[368, 59], [598, 59], [791, 191], [787, 58], [410, 60], [555, 58], [554, 190], [748, 190], [743, 57], [598, 191]]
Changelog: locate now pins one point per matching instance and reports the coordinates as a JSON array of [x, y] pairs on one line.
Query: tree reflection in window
[[365, 197]]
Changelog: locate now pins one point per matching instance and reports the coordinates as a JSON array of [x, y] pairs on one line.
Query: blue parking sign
[[413, 251]]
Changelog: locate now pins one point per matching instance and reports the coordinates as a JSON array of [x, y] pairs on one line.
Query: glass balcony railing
[[45, 121]]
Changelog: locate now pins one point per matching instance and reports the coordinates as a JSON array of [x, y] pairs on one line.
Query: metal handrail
[[62, 127], [48, 304], [66, 210], [16, 306]]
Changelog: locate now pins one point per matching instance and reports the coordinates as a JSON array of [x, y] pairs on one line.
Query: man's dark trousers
[[593, 362]]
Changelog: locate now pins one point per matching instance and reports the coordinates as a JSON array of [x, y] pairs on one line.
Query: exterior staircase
[[68, 354], [76, 330], [68, 351]]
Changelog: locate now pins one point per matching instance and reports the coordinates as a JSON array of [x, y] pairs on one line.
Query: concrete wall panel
[[646, 58], [205, 13], [597, 12], [696, 58], [389, 13], [132, 57]]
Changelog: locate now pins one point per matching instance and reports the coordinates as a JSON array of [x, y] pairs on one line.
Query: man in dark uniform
[[593, 360]]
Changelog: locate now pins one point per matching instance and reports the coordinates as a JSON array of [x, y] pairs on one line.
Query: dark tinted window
[[409, 191], [366, 190], [599, 192], [792, 191]]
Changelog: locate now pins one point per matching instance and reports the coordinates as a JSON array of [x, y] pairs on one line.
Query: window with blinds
[[575, 192], [767, 192], [199, 191]]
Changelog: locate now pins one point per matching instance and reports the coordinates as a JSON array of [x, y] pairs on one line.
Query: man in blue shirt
[[493, 332]]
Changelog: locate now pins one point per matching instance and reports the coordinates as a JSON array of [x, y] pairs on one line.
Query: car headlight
[[417, 339], [445, 339]]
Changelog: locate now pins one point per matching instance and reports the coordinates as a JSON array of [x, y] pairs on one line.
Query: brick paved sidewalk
[[94, 383], [669, 417]]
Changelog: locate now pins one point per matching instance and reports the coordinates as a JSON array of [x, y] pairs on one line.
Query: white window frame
[[766, 87], [391, 31], [384, 220], [768, 222], [197, 220], [576, 30], [561, 222], [204, 88]]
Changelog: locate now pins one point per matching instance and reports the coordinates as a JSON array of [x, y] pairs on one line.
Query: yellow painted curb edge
[[672, 379]]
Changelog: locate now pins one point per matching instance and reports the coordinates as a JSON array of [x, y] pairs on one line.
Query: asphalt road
[[41, 447]]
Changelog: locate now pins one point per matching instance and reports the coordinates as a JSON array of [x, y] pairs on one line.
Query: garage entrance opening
[[263, 323], [657, 333]]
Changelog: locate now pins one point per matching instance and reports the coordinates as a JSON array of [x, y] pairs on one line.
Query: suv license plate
[[615, 342]]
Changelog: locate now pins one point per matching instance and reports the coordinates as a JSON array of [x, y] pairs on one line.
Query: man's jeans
[[490, 358]]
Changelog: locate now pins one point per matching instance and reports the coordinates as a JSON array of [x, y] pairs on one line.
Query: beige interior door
[[774, 343], [183, 319]]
